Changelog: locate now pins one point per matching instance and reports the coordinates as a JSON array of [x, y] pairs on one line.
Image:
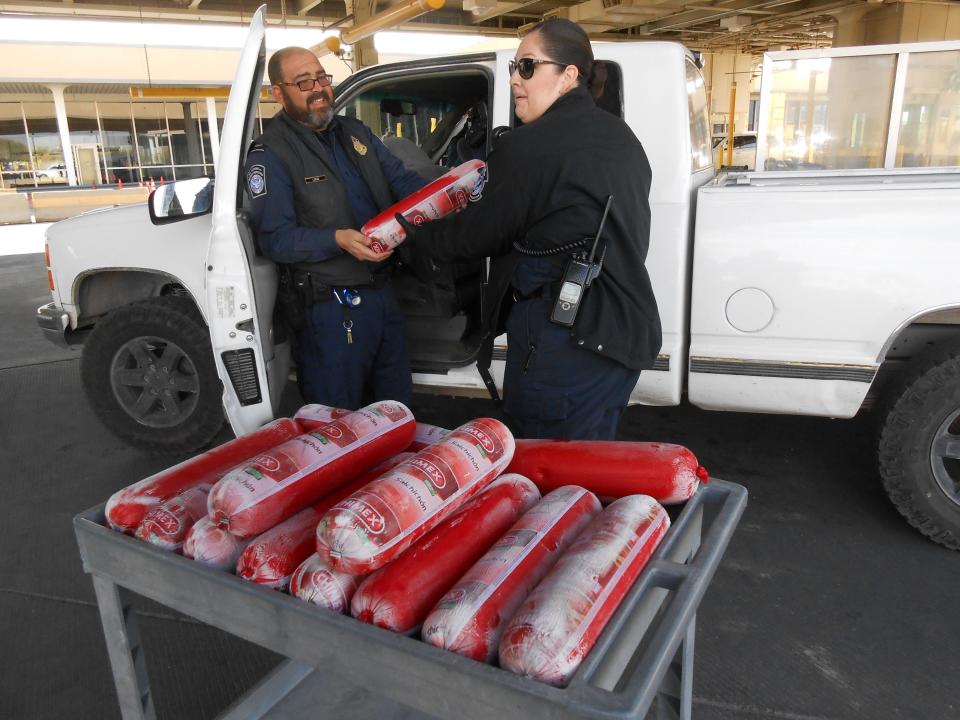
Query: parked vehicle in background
[[55, 172], [744, 151], [820, 292]]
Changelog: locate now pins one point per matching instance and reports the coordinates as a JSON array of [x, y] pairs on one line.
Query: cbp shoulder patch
[[257, 180]]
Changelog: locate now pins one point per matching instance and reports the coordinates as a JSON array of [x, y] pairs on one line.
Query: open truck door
[[240, 284]]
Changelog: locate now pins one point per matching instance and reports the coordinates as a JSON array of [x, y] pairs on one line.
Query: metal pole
[[213, 129]]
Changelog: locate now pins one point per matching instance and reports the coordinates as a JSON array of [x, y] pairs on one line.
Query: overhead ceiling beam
[[302, 7]]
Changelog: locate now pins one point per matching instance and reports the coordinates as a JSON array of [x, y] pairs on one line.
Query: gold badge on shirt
[[359, 146]]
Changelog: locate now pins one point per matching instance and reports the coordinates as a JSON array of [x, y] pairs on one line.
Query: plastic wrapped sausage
[[273, 556], [274, 485], [166, 525], [318, 583], [559, 622], [372, 527], [468, 620], [126, 508], [447, 194], [310, 417], [399, 596], [611, 469], [427, 435], [212, 545]]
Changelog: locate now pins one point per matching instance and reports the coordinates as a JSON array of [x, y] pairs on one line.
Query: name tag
[[315, 179]]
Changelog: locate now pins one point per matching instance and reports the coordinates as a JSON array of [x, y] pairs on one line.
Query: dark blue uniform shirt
[[274, 214]]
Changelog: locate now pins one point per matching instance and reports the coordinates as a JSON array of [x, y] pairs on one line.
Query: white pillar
[[213, 129], [61, 109]]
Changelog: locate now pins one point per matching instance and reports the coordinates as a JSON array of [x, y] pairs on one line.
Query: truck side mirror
[[181, 200]]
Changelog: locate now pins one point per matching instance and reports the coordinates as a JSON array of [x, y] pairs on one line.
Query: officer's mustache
[[321, 95]]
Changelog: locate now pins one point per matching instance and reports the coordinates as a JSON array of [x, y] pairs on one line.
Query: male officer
[[313, 178]]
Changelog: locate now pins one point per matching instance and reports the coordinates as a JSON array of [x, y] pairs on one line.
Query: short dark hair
[[566, 42], [275, 64]]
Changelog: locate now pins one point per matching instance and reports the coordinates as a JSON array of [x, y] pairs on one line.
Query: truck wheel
[[148, 371], [919, 453]]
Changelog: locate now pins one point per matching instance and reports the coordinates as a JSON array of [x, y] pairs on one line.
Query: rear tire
[[148, 372], [919, 448]]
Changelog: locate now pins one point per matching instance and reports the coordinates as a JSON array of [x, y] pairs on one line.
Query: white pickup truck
[[811, 291]]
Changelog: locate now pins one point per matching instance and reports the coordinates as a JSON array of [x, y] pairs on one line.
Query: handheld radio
[[581, 270]]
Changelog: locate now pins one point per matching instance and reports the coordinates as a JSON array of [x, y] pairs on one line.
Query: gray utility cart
[[641, 666]]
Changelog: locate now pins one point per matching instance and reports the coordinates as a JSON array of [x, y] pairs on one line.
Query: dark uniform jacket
[[303, 189], [547, 186]]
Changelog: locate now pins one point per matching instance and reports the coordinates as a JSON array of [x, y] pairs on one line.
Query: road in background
[[827, 605]]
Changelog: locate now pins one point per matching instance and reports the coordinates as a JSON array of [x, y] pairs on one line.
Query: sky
[[110, 32]]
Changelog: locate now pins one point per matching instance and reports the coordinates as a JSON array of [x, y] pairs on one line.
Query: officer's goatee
[[318, 120]]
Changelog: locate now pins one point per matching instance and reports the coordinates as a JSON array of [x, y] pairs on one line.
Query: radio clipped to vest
[[581, 270]]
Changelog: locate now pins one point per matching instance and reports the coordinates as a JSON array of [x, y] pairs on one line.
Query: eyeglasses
[[526, 66], [310, 83]]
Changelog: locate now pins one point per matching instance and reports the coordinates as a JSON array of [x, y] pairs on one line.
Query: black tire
[[919, 448], [149, 373]]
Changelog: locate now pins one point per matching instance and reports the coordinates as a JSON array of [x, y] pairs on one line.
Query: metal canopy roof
[[709, 25]]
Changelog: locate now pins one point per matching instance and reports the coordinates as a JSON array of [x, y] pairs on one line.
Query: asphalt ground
[[827, 605]]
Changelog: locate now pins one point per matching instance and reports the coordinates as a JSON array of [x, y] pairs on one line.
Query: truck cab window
[[701, 152], [431, 122]]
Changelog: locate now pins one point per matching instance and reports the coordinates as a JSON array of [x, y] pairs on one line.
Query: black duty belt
[[314, 291]]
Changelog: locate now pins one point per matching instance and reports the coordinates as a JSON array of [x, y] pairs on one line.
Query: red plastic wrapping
[[212, 545], [399, 596], [372, 527], [310, 417], [448, 193], [611, 469], [560, 621], [318, 583], [273, 556], [126, 508], [469, 619], [274, 485], [427, 435], [166, 525]]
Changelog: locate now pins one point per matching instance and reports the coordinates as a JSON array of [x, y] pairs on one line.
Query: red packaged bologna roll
[[399, 596], [212, 545], [447, 194], [274, 485], [126, 508], [318, 583], [468, 620], [427, 435], [273, 556], [559, 622], [370, 528], [667, 473], [310, 417], [166, 526]]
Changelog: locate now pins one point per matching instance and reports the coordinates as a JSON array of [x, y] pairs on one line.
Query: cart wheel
[[919, 448]]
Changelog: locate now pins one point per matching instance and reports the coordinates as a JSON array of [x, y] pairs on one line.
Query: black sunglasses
[[310, 83], [526, 66]]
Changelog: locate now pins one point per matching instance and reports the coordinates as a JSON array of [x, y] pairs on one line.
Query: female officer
[[549, 181]]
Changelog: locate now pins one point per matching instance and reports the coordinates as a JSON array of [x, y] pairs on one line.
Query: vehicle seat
[[413, 157]]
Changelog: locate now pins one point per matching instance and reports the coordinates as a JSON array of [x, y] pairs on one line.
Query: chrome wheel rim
[[945, 457], [154, 381]]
